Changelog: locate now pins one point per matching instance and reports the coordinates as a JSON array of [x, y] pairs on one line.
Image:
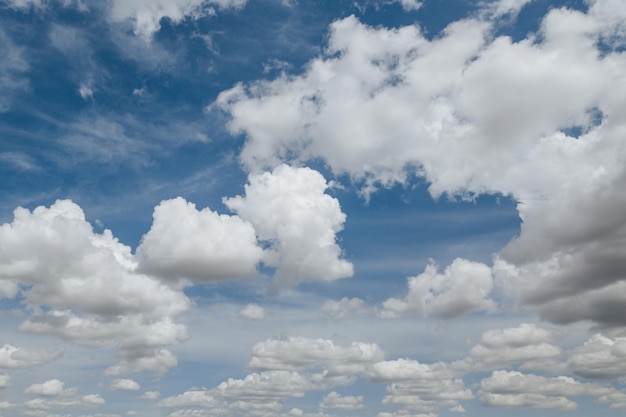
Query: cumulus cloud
[[151, 395], [252, 312], [340, 309], [202, 245], [463, 287], [124, 385], [290, 210], [51, 388], [294, 353], [90, 285], [12, 357], [55, 395], [523, 344], [600, 357], [255, 392], [337, 402], [475, 113], [427, 395], [514, 389]]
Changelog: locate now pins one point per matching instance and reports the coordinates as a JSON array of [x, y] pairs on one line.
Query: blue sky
[[283, 208]]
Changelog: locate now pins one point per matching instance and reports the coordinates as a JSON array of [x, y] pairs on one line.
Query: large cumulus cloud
[[83, 286], [538, 119]]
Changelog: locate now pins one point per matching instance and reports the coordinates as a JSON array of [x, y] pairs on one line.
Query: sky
[[290, 208]]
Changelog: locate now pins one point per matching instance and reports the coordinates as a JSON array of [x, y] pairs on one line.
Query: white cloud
[[124, 385], [506, 7], [463, 287], [340, 309], [203, 245], [85, 91], [409, 370], [5, 381], [337, 402], [427, 395], [474, 113], [252, 312], [89, 283], [57, 396], [150, 395], [522, 344], [600, 357], [25, 4], [146, 15], [290, 210], [189, 399], [294, 353], [410, 5], [12, 357], [51, 388], [5, 405], [514, 389]]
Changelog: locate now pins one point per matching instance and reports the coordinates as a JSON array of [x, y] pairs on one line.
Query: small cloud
[[124, 385], [252, 312], [140, 92], [410, 5], [151, 395], [85, 92], [343, 308]]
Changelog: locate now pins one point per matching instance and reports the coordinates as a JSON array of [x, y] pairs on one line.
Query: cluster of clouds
[[503, 359], [88, 288], [539, 120]]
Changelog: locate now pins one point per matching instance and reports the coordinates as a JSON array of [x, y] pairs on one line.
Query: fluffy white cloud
[[189, 399], [14, 357], [427, 395], [252, 312], [522, 344], [57, 396], [5, 381], [124, 385], [409, 370], [339, 309], [514, 389], [51, 388], [337, 402], [90, 286], [600, 357], [294, 353], [474, 113], [203, 245], [463, 287], [290, 210], [150, 395], [146, 15]]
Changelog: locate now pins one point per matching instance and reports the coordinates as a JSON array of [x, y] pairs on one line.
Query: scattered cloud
[[124, 385], [252, 312]]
